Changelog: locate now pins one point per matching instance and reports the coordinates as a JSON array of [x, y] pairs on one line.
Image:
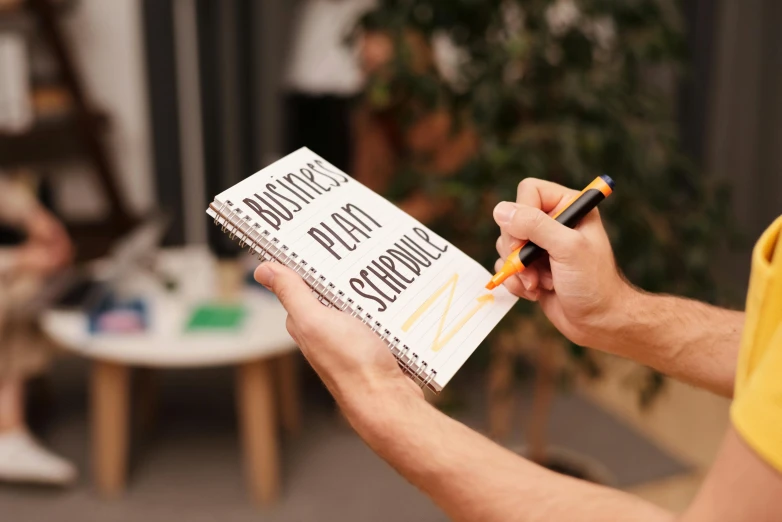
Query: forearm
[[686, 339], [472, 478]]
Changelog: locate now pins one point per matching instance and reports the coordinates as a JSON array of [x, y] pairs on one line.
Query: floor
[[686, 422], [189, 467]]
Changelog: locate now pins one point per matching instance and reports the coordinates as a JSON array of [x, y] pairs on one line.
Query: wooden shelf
[[69, 128], [47, 142], [12, 7], [94, 240]]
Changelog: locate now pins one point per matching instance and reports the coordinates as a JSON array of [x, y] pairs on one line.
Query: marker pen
[[522, 257]]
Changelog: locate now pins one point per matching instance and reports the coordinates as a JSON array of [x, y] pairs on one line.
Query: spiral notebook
[[361, 254]]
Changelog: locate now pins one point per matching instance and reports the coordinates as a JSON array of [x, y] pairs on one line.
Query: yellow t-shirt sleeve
[[757, 411]]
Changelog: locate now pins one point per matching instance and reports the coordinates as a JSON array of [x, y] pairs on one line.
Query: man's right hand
[[578, 286]]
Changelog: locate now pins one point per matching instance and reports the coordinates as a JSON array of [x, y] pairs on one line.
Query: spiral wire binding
[[250, 234]]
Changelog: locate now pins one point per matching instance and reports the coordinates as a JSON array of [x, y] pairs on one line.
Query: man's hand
[[578, 287], [582, 293], [468, 476], [350, 359]]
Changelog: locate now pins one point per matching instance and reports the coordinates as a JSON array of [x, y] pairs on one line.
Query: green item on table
[[215, 316]]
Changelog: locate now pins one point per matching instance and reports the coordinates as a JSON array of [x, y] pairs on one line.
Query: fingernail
[[503, 212], [264, 274], [525, 280]]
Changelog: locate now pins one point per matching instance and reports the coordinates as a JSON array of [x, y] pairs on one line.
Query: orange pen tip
[[512, 266], [498, 279]]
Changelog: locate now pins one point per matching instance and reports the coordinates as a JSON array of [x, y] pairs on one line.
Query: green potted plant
[[561, 90]]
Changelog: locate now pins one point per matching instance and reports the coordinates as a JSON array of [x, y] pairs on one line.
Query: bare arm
[[472, 478], [468, 476], [739, 487], [691, 341], [581, 291]]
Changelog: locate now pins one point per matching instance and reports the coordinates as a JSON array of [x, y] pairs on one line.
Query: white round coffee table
[[261, 350]]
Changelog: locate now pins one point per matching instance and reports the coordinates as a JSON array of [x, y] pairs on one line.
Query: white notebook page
[[418, 286]]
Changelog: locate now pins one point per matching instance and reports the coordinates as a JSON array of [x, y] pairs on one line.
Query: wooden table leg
[[255, 394], [288, 380], [500, 383], [147, 398], [110, 412]]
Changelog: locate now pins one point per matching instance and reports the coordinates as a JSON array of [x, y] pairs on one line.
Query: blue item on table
[[119, 316]]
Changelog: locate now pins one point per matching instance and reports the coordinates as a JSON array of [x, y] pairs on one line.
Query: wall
[[744, 138], [105, 36]]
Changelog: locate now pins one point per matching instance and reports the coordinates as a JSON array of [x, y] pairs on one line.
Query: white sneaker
[[23, 459]]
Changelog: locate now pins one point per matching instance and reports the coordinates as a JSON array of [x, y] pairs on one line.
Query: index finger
[[547, 196]]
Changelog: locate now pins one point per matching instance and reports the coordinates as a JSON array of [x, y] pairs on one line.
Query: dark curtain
[[743, 141], [228, 59]]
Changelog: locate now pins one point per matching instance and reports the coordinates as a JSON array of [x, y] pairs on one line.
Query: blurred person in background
[[323, 79], [581, 291], [24, 349], [328, 67]]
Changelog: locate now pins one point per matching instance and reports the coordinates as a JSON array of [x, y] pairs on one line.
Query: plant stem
[[542, 398]]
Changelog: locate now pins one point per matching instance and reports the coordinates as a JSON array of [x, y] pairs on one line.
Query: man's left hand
[[350, 359]]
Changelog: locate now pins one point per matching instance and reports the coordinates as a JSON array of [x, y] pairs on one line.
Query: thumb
[[294, 294], [530, 223]]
